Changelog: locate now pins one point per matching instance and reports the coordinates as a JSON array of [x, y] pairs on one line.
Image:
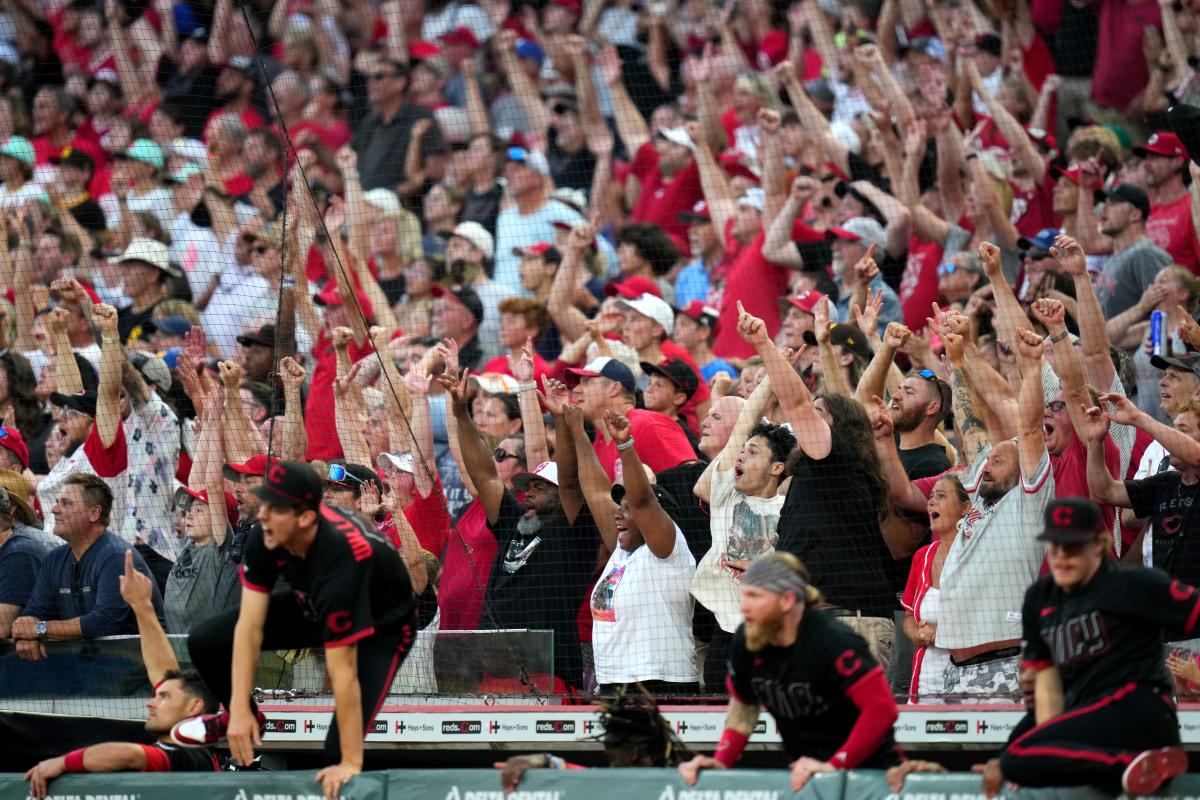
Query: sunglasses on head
[[927, 374], [501, 455], [338, 474]]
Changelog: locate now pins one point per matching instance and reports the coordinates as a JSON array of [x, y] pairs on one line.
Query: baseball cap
[[633, 286], [699, 213], [1126, 193], [665, 498], [529, 49], [530, 158], [331, 296], [173, 325], [677, 371], [149, 251], [19, 493], [18, 147], [421, 50], [145, 151], [231, 503], [460, 35], [848, 337], [989, 43], [546, 471], [1072, 520], [1071, 173], [805, 301], [653, 307], [153, 369], [291, 483], [73, 157], [537, 249], [1043, 240], [464, 294], [83, 402], [477, 235], [400, 461], [495, 382], [255, 466], [1184, 120], [678, 136], [701, 312], [385, 201], [1163, 143], [754, 197], [243, 64], [930, 46], [605, 367], [843, 188], [11, 439], [1188, 362], [185, 172], [859, 229], [264, 336]]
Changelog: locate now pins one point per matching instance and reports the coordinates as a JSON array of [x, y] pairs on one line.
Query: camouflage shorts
[[993, 681]]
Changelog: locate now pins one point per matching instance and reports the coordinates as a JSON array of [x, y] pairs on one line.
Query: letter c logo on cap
[[1063, 515], [276, 474]]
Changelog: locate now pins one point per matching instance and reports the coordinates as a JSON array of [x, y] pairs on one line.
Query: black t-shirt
[[182, 759], [1173, 509], [924, 461], [483, 207], [539, 582], [573, 170], [383, 145], [1108, 633], [351, 583], [830, 521], [88, 214], [130, 321], [692, 514], [805, 687]]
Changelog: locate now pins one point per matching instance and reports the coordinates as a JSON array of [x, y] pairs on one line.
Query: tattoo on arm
[[972, 429]]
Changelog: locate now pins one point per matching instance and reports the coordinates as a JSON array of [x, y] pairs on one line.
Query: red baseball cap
[[1071, 173], [420, 49], [330, 296], [701, 312], [230, 501], [255, 465], [536, 249], [1163, 143], [699, 213], [805, 301], [570, 5], [632, 287], [460, 35], [11, 439]]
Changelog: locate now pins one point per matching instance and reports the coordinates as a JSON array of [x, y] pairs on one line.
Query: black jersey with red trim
[[1108, 633], [162, 757], [351, 582], [806, 687]]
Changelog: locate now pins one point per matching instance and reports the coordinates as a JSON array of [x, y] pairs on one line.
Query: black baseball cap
[[1185, 122], [291, 484], [464, 294], [665, 498], [1126, 193], [264, 336], [1072, 520], [847, 336], [73, 157], [83, 402], [1188, 362], [677, 371]]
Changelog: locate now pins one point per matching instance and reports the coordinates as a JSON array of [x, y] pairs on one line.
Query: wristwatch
[[40, 629]]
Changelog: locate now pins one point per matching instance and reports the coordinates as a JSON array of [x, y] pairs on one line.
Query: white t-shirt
[[993, 559], [742, 529], [642, 617], [93, 457]]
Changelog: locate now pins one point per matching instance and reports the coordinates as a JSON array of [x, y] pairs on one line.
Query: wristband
[[286, 283], [527, 386], [74, 761], [554, 762], [1058, 337], [350, 175], [623, 446], [730, 748]]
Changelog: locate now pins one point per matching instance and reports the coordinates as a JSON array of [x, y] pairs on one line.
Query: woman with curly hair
[[20, 408]]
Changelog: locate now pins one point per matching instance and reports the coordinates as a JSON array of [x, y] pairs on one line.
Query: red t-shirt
[[702, 393], [1170, 227], [323, 440], [1033, 210], [1120, 72], [759, 284], [470, 552], [919, 283], [429, 518], [662, 203], [658, 439], [1070, 473], [540, 367]]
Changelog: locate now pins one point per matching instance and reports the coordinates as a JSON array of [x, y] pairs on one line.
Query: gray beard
[[530, 526]]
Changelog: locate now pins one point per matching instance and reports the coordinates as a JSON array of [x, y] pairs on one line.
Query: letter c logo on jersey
[[1063, 515], [339, 622], [1180, 591], [847, 663]]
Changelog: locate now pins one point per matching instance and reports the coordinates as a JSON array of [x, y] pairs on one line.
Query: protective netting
[[582, 307]]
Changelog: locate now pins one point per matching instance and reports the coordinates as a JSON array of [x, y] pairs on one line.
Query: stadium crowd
[[586, 305]]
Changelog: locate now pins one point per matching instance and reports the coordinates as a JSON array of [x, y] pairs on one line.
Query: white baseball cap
[[653, 307], [678, 136], [477, 235], [547, 471], [400, 461]]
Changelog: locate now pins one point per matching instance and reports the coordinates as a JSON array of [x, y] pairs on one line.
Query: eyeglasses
[[262, 249], [948, 268], [338, 474], [561, 108], [501, 455], [380, 76], [1056, 406]]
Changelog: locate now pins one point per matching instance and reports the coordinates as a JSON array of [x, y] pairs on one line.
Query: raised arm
[[477, 459], [1175, 441], [902, 492], [835, 378], [631, 126], [523, 88], [569, 320], [1067, 364], [722, 205], [207, 467], [586, 477], [1093, 332], [66, 370], [812, 433], [112, 361], [778, 246], [417, 382], [138, 591], [1102, 486], [973, 431], [1025, 154], [537, 447], [1011, 318], [656, 527], [295, 436], [239, 439], [873, 380], [1030, 442]]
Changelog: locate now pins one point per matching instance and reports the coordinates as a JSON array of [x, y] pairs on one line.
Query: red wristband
[[74, 761], [730, 748]]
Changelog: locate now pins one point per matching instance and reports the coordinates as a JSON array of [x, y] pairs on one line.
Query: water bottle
[[1156, 333]]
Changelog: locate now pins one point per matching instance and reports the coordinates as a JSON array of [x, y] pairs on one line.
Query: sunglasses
[[501, 455], [380, 76], [948, 268], [262, 249], [338, 474], [927, 374], [1056, 406], [561, 108]]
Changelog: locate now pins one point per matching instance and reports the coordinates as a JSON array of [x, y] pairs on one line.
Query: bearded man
[[816, 676]]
